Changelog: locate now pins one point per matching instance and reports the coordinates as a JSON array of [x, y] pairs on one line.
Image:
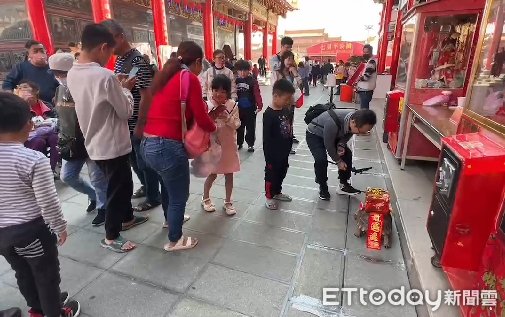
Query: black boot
[[324, 193]]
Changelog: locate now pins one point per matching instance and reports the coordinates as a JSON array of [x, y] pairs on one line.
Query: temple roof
[[280, 7]]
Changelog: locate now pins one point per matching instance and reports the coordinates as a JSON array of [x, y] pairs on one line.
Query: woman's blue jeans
[[169, 159]]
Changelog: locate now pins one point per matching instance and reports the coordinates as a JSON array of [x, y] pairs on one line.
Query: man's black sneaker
[[250, 149], [324, 194], [347, 189], [99, 219], [91, 206], [240, 147], [71, 309], [292, 152], [295, 140], [64, 298]]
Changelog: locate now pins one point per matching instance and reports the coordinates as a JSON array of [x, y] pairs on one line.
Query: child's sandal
[[208, 206], [229, 208]]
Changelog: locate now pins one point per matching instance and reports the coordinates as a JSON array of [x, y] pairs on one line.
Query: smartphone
[[133, 72]]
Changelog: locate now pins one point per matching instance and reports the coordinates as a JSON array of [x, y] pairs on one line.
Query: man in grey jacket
[[329, 133]]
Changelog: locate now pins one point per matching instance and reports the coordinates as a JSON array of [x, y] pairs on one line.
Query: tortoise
[[362, 218]]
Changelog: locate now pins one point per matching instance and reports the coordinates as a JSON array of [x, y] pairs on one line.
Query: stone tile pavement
[[259, 263]]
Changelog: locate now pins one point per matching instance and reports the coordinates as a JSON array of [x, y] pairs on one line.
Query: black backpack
[[315, 111]]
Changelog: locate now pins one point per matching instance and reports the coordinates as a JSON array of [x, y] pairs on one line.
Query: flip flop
[[186, 218], [180, 246], [138, 220], [116, 245]]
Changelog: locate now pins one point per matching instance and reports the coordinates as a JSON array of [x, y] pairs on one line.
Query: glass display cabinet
[[435, 59], [485, 108]]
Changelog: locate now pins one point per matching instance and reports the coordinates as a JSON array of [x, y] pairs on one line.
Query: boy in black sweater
[[277, 142], [249, 104]]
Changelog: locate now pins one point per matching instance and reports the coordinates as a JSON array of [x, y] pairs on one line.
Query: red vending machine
[[466, 200]]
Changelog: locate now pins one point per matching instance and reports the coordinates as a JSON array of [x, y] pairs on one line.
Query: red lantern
[[199, 7], [215, 13], [221, 16], [192, 5], [185, 2]]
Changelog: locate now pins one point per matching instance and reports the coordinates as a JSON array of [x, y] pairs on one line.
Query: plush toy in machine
[[374, 218]]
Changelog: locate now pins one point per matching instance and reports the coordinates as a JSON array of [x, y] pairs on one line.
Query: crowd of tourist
[[143, 119]]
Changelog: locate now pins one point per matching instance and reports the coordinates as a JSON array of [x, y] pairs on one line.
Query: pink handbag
[[195, 140]]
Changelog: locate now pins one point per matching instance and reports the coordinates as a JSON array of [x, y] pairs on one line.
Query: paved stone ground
[[259, 263]]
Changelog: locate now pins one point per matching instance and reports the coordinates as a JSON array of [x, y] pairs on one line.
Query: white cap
[[61, 61]]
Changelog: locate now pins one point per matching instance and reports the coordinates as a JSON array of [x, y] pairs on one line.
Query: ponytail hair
[[187, 53]]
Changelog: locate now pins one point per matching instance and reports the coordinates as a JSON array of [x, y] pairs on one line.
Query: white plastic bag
[[204, 165]]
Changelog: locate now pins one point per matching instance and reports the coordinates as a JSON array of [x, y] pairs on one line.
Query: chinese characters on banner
[[374, 233], [337, 47]]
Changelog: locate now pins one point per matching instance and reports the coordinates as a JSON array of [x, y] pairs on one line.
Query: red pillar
[[39, 24], [101, 11], [274, 41], [248, 37], [384, 43], [396, 48], [265, 40], [160, 26], [208, 29]]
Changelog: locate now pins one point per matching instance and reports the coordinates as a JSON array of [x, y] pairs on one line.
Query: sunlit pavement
[[258, 263]]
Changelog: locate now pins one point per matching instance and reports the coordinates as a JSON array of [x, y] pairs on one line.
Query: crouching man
[[329, 133]]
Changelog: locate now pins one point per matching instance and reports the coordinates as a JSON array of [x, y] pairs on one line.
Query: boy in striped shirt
[[31, 221]]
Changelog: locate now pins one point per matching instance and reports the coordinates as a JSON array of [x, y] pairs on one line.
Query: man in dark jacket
[[326, 70], [71, 143], [34, 69], [316, 72], [262, 63], [329, 133]]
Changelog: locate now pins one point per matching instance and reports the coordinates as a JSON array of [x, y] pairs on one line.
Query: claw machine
[[435, 57], [469, 237]]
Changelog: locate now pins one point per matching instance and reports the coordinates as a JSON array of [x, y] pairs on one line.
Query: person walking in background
[[368, 78], [71, 143], [277, 142], [34, 69], [103, 105], [31, 221], [217, 69], [262, 62], [163, 147], [227, 124], [316, 72], [308, 69], [302, 72], [339, 75], [127, 59], [249, 104], [255, 71], [326, 69]]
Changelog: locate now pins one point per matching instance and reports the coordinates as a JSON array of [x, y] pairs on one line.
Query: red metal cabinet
[[466, 200]]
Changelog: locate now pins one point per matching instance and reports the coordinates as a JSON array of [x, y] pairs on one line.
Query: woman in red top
[[162, 146]]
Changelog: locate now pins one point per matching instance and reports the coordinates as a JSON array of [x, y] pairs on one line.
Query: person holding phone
[[131, 62]]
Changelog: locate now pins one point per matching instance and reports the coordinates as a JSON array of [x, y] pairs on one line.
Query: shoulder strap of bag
[[335, 118], [213, 71], [184, 90]]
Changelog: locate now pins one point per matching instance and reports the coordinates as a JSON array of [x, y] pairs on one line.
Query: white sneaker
[[283, 197]]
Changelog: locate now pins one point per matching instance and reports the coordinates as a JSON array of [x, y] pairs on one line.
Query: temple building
[[155, 27]]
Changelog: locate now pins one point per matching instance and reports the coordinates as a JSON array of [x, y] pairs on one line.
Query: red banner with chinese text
[[374, 233]]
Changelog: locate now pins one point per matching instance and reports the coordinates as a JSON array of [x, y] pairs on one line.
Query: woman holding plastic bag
[[225, 137]]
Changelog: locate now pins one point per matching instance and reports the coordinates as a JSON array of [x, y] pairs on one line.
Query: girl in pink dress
[[227, 124]]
